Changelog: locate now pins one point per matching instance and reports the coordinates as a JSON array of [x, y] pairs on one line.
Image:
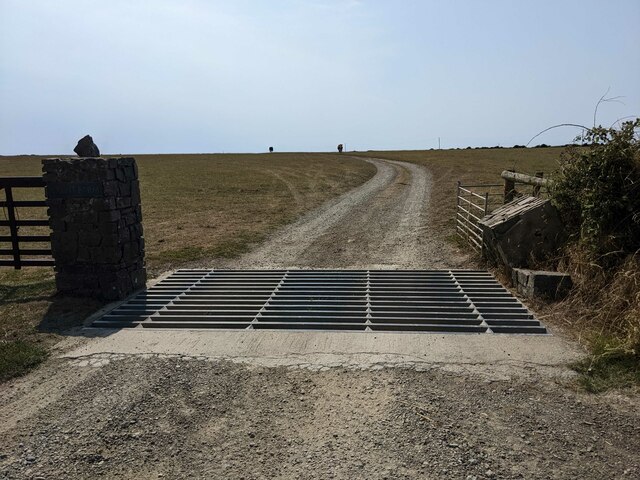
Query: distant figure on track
[[270, 149], [340, 148]]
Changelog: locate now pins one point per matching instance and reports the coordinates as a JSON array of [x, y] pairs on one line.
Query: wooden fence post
[[509, 189], [11, 215], [536, 188]]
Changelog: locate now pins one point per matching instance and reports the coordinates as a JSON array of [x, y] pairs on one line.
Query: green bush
[[597, 191]]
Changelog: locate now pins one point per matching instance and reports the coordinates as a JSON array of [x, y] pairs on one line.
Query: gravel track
[[149, 418], [384, 223]]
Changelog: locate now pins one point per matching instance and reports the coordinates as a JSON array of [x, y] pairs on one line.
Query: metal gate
[[470, 208], [39, 239], [475, 201], [451, 301]]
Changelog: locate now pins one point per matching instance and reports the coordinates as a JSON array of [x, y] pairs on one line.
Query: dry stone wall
[[96, 222]]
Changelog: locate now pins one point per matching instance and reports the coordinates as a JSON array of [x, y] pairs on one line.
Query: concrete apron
[[495, 355]]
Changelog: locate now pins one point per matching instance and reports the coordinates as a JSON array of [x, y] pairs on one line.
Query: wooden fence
[[511, 179], [39, 242]]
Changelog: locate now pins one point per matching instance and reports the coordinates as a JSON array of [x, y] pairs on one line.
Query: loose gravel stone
[[152, 417]]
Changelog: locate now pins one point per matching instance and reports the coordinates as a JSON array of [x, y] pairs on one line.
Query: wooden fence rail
[[13, 223], [511, 178]]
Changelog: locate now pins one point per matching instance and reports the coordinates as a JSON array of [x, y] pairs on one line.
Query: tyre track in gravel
[[384, 223]]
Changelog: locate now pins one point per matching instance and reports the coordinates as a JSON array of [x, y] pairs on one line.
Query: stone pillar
[[96, 224]]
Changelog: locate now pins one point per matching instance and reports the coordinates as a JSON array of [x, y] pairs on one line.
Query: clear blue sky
[[239, 76]]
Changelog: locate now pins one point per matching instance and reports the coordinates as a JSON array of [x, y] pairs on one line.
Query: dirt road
[[146, 416], [381, 224]]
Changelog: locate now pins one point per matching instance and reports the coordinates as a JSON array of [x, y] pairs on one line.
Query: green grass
[[18, 291], [231, 248], [17, 357], [608, 367], [25, 295]]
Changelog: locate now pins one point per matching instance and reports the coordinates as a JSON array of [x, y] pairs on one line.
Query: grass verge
[[610, 366], [17, 357], [32, 317], [604, 310]]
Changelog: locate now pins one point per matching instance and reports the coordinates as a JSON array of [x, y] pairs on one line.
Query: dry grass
[[603, 311], [195, 207], [206, 206], [610, 300], [215, 205]]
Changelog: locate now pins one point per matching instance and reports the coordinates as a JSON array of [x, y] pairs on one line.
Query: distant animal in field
[[340, 147], [270, 149]]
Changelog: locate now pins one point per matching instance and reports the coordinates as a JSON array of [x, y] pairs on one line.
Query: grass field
[[199, 207], [206, 206], [195, 207]]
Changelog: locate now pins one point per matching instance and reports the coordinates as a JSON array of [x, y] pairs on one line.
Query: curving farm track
[[384, 223]]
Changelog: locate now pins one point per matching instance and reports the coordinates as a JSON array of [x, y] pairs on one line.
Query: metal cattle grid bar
[[442, 301]]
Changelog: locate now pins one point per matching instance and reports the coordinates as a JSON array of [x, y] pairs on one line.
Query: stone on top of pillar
[[86, 147]]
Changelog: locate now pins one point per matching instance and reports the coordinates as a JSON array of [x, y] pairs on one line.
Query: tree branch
[[557, 126]]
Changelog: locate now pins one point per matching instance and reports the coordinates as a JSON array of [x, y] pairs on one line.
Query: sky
[[200, 76]]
